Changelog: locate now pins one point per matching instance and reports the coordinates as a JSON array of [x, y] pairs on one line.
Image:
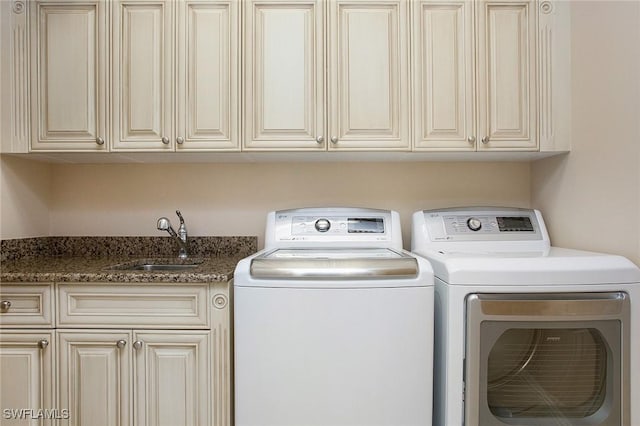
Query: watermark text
[[35, 413]]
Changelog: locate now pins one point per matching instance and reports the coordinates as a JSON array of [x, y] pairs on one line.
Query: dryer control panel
[[482, 224], [488, 224]]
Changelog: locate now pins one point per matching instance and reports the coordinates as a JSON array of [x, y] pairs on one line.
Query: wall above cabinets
[[124, 80]]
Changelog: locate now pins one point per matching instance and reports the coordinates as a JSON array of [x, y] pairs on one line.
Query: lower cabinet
[[94, 377], [115, 377], [117, 355], [26, 393]]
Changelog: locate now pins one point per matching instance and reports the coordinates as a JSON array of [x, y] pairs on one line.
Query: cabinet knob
[[42, 344], [137, 344], [179, 140], [485, 140], [121, 343], [100, 141], [471, 139], [334, 139], [165, 140], [5, 305], [320, 139]]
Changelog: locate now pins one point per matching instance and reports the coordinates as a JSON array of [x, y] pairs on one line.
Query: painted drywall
[[591, 198], [233, 199], [25, 198]]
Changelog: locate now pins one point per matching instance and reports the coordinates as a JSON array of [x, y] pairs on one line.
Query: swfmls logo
[[35, 414]]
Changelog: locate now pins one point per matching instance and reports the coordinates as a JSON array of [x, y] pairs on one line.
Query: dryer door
[[547, 359]]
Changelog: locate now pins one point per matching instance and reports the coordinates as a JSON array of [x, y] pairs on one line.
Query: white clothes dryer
[[333, 324], [526, 333]]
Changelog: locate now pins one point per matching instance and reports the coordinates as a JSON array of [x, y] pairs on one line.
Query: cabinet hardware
[[100, 141], [121, 343], [471, 139], [42, 344], [320, 139], [179, 140], [485, 140], [5, 305], [165, 140], [334, 139], [137, 344]]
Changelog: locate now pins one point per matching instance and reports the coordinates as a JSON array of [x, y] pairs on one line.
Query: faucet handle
[[163, 224], [180, 217]]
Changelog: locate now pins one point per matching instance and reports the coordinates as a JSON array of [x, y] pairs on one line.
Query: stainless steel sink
[[167, 267], [158, 264]]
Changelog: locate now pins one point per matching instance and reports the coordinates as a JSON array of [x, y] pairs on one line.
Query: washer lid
[[342, 264]]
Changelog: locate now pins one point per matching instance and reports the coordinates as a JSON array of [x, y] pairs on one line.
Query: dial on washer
[[322, 225], [474, 224]]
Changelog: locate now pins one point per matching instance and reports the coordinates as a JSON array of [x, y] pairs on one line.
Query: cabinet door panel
[[507, 73], [142, 76], [284, 75], [443, 75], [26, 381], [69, 84], [208, 75], [94, 377], [172, 380], [369, 74]]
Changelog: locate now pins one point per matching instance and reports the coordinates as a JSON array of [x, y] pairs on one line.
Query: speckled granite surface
[[105, 259]]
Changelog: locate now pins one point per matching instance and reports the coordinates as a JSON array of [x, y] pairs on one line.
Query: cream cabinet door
[[143, 74], [284, 75], [69, 83], [443, 85], [208, 75], [26, 369], [94, 377], [369, 74], [507, 75], [172, 378]]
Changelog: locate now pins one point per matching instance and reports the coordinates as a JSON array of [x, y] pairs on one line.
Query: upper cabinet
[[286, 104], [201, 71], [284, 75], [369, 74], [507, 75], [208, 80], [169, 70], [143, 75], [475, 90], [444, 91], [287, 75], [69, 81]]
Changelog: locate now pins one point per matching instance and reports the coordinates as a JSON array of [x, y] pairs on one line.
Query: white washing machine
[[526, 333], [333, 323]]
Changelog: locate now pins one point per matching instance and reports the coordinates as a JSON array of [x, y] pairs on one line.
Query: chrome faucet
[[180, 236]]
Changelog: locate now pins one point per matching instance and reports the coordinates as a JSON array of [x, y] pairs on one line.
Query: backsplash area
[[25, 248]]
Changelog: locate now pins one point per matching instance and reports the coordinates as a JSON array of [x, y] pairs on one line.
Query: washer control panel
[[333, 227], [337, 225], [482, 225]]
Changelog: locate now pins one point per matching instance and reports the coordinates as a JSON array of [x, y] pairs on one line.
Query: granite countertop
[[109, 259], [113, 270]]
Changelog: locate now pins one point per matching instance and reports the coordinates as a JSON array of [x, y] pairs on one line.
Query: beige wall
[[233, 199], [25, 198], [591, 198]]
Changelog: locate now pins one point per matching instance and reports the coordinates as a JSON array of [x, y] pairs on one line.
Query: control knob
[[322, 225], [474, 224]]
